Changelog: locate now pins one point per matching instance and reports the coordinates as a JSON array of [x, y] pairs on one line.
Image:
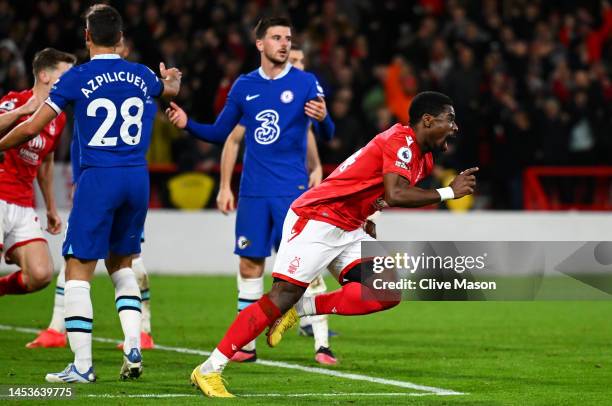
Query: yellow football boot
[[211, 384], [284, 323]]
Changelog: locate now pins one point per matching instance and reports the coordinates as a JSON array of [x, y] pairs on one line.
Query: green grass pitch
[[495, 353]]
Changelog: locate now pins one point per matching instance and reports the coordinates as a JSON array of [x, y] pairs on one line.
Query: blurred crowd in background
[[530, 79]]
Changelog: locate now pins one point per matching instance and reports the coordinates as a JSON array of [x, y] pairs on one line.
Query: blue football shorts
[[108, 213], [259, 224]]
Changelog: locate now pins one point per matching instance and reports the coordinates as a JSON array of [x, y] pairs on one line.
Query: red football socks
[[249, 323], [349, 301], [13, 284]]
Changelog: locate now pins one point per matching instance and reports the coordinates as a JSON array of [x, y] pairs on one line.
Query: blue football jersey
[[75, 148], [113, 109], [75, 159], [272, 110]]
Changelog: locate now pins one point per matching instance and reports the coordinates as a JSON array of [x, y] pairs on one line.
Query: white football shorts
[[18, 226], [308, 247]]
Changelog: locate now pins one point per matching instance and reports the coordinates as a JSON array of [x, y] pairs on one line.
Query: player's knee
[[251, 267], [39, 276], [114, 262], [139, 269], [284, 294]]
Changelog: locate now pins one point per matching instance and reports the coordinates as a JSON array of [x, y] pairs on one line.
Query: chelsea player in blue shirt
[[109, 96], [54, 336], [250, 280], [276, 103]]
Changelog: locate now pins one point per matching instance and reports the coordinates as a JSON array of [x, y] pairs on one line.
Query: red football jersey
[[355, 189], [20, 166]]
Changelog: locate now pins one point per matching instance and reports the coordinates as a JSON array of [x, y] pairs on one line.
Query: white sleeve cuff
[[53, 105]]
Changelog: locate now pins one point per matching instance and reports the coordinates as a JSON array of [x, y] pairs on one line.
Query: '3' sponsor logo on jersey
[[268, 131]]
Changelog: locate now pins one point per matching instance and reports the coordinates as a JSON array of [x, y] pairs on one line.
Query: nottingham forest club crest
[[52, 127]]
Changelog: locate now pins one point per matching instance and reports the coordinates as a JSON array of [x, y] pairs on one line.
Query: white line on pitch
[[142, 395], [279, 364], [303, 395], [262, 395]]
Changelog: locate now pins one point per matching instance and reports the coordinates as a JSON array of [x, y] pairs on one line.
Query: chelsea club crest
[[287, 96]]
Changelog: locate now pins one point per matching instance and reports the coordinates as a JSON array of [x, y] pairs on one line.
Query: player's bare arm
[[229, 155], [315, 169], [400, 193], [176, 115], [215, 133], [45, 181], [316, 109], [29, 128], [172, 80]]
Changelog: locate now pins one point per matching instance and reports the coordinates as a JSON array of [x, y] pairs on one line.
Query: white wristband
[[446, 193]]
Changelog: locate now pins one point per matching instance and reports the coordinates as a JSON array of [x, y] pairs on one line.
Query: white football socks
[[306, 306], [57, 318], [128, 303], [143, 284], [249, 291], [215, 363], [318, 322], [320, 330], [79, 322]]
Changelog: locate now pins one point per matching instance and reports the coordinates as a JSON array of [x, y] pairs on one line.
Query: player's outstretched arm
[[229, 155], [29, 128], [172, 80], [315, 169], [326, 128], [216, 133], [399, 192], [45, 181]]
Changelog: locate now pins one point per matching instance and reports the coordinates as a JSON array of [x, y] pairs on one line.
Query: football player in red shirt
[[21, 236], [325, 228]]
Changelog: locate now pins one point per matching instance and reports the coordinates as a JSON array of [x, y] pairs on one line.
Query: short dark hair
[[104, 24], [262, 26], [427, 103], [48, 58], [296, 46]]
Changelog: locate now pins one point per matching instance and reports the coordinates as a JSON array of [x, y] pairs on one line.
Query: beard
[[277, 59]]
